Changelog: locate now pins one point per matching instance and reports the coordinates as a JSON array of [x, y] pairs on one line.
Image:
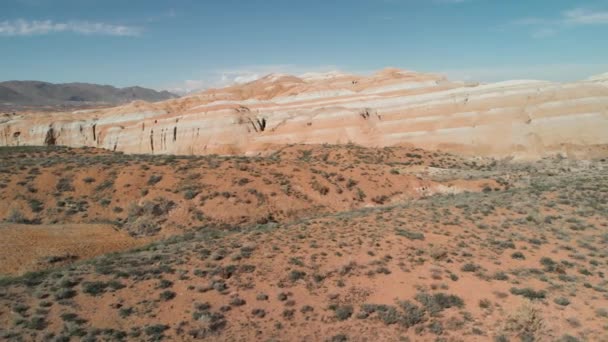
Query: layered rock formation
[[521, 118]]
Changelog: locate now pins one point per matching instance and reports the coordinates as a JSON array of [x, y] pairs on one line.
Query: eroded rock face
[[521, 118]]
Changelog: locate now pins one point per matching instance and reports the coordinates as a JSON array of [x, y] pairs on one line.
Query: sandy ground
[[82, 202], [520, 255], [26, 248]]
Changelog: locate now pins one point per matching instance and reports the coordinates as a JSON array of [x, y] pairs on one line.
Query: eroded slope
[[520, 118], [525, 263]]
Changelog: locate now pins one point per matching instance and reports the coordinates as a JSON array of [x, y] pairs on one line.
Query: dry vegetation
[[314, 243], [148, 195]]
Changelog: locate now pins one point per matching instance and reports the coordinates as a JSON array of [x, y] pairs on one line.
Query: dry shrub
[[15, 216], [527, 323], [144, 219]]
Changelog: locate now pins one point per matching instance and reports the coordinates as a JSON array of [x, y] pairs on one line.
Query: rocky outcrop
[[521, 118]]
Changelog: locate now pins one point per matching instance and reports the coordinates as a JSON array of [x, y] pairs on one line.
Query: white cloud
[[21, 27], [543, 27], [546, 72], [581, 16], [225, 77], [451, 1], [531, 21], [185, 87], [544, 32]]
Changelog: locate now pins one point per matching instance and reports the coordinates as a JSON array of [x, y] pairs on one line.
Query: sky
[[183, 45]]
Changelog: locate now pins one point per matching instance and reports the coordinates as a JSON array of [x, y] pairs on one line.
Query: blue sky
[[187, 44]]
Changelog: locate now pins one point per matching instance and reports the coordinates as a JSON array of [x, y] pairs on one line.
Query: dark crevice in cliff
[[365, 113], [50, 139], [259, 125], [262, 124]]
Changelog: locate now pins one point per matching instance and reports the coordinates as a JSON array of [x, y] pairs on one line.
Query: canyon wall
[[514, 118]]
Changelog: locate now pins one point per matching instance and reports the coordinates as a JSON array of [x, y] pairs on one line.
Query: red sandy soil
[[35, 247], [163, 196], [521, 255]]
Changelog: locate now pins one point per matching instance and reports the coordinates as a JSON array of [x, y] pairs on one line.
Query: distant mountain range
[[36, 94]]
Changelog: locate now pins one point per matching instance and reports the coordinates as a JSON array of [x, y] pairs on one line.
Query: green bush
[[94, 288], [412, 314], [156, 329], [343, 312], [15, 216], [65, 293], [154, 179], [438, 302], [89, 180], [409, 234], [562, 301], [37, 323], [64, 184], [167, 295], [469, 267], [528, 293], [518, 255], [296, 275], [36, 205]]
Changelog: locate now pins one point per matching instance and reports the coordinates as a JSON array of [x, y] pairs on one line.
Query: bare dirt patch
[[25, 248]]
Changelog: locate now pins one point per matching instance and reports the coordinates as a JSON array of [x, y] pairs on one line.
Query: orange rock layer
[[514, 118]]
